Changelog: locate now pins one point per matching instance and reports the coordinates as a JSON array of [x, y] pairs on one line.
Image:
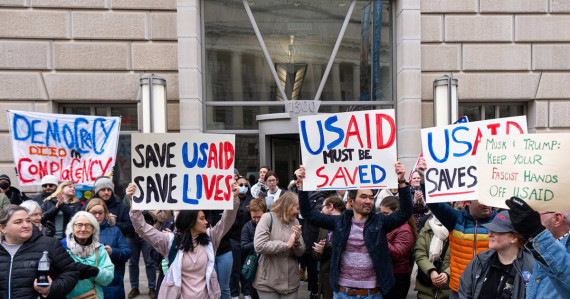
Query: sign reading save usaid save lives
[[76, 148], [451, 153], [352, 150], [182, 171], [533, 167]]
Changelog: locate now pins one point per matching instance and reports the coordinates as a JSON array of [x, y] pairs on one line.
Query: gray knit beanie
[[102, 183]]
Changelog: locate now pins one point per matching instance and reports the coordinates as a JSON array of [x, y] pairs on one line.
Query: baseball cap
[[501, 223]]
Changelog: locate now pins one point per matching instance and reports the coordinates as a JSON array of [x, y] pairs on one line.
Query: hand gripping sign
[[451, 156], [76, 148], [533, 167], [352, 150], [183, 171]]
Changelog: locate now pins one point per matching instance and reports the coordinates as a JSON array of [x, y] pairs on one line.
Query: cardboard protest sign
[[76, 148], [183, 171], [349, 150], [451, 153], [533, 167]]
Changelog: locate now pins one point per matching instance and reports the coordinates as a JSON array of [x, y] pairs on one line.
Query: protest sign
[[531, 167], [76, 148], [451, 152], [182, 171], [352, 150]]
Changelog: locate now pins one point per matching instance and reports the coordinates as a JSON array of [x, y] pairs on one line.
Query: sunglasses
[[243, 185]]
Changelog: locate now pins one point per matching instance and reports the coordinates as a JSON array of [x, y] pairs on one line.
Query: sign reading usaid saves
[[532, 167], [349, 150], [451, 153], [183, 171], [76, 148]]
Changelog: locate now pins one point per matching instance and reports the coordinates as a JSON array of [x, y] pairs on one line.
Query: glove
[[86, 271], [525, 220]]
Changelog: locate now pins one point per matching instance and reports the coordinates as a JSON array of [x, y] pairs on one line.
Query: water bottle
[[43, 271]]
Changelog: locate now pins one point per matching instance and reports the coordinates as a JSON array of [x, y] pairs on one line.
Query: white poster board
[[76, 148], [451, 152], [351, 150], [533, 167], [183, 171]]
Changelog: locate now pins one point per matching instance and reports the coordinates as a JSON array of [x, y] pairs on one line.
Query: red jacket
[[400, 243]]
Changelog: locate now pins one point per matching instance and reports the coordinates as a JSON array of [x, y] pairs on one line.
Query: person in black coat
[[103, 188], [49, 185], [256, 208], [16, 197], [60, 207], [235, 238], [21, 250]]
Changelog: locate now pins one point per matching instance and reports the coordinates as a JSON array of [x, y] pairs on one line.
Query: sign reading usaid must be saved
[[533, 167]]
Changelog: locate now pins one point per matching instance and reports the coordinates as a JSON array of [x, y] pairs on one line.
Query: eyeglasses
[[271, 180], [48, 186], [544, 213], [243, 185], [83, 225], [98, 213]]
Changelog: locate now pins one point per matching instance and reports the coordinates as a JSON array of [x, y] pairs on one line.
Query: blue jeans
[[342, 295], [223, 268], [137, 245]]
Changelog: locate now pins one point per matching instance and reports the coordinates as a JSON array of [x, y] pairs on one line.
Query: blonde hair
[[98, 202], [257, 205], [284, 204], [59, 191]]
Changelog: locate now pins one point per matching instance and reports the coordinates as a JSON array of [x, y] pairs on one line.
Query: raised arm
[[314, 217], [446, 214], [402, 215]]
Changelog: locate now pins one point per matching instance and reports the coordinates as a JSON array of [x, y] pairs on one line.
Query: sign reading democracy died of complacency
[[182, 171], [451, 153], [349, 150], [533, 167], [76, 148]]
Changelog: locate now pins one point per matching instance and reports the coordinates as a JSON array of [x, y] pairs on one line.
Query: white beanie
[[102, 183], [49, 179]]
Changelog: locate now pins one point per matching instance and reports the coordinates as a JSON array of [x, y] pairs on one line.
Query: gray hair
[[91, 218], [566, 217], [31, 206], [6, 213]]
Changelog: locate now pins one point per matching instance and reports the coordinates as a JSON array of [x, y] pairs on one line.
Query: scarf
[[440, 233], [82, 251]]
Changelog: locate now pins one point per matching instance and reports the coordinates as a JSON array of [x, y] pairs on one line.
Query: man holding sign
[[547, 234], [360, 248]]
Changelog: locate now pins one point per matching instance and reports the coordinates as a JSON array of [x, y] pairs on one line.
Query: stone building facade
[[512, 57]]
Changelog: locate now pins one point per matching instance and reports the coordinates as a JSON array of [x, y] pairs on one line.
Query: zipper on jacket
[[10, 278], [475, 239]]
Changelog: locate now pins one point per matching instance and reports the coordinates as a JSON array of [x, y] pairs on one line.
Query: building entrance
[[285, 157]]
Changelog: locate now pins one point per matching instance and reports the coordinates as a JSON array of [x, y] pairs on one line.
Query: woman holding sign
[[190, 250]]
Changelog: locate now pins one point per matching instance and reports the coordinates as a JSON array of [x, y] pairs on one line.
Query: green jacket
[[105, 276], [421, 255], [4, 200]]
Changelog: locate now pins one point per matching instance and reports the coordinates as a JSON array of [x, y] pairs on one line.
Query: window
[[129, 125], [477, 111]]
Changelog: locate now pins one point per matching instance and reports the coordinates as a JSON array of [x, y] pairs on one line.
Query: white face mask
[[243, 190]]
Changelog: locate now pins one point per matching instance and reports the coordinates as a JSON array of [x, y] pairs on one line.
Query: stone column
[[237, 88]]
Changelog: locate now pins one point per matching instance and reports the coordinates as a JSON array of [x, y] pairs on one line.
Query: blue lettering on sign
[[430, 147], [331, 128], [306, 138], [82, 135], [468, 144]]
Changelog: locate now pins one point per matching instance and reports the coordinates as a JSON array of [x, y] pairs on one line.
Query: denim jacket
[[375, 230], [550, 280]]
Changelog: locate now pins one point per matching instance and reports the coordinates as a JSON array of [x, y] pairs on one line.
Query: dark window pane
[[247, 156], [473, 113], [122, 170], [510, 110], [101, 111], [77, 110], [129, 117], [490, 112]]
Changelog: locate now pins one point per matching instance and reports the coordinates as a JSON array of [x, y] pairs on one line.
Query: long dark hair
[[183, 236], [393, 203]]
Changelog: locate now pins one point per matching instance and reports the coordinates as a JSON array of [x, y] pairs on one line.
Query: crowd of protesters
[[346, 244]]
